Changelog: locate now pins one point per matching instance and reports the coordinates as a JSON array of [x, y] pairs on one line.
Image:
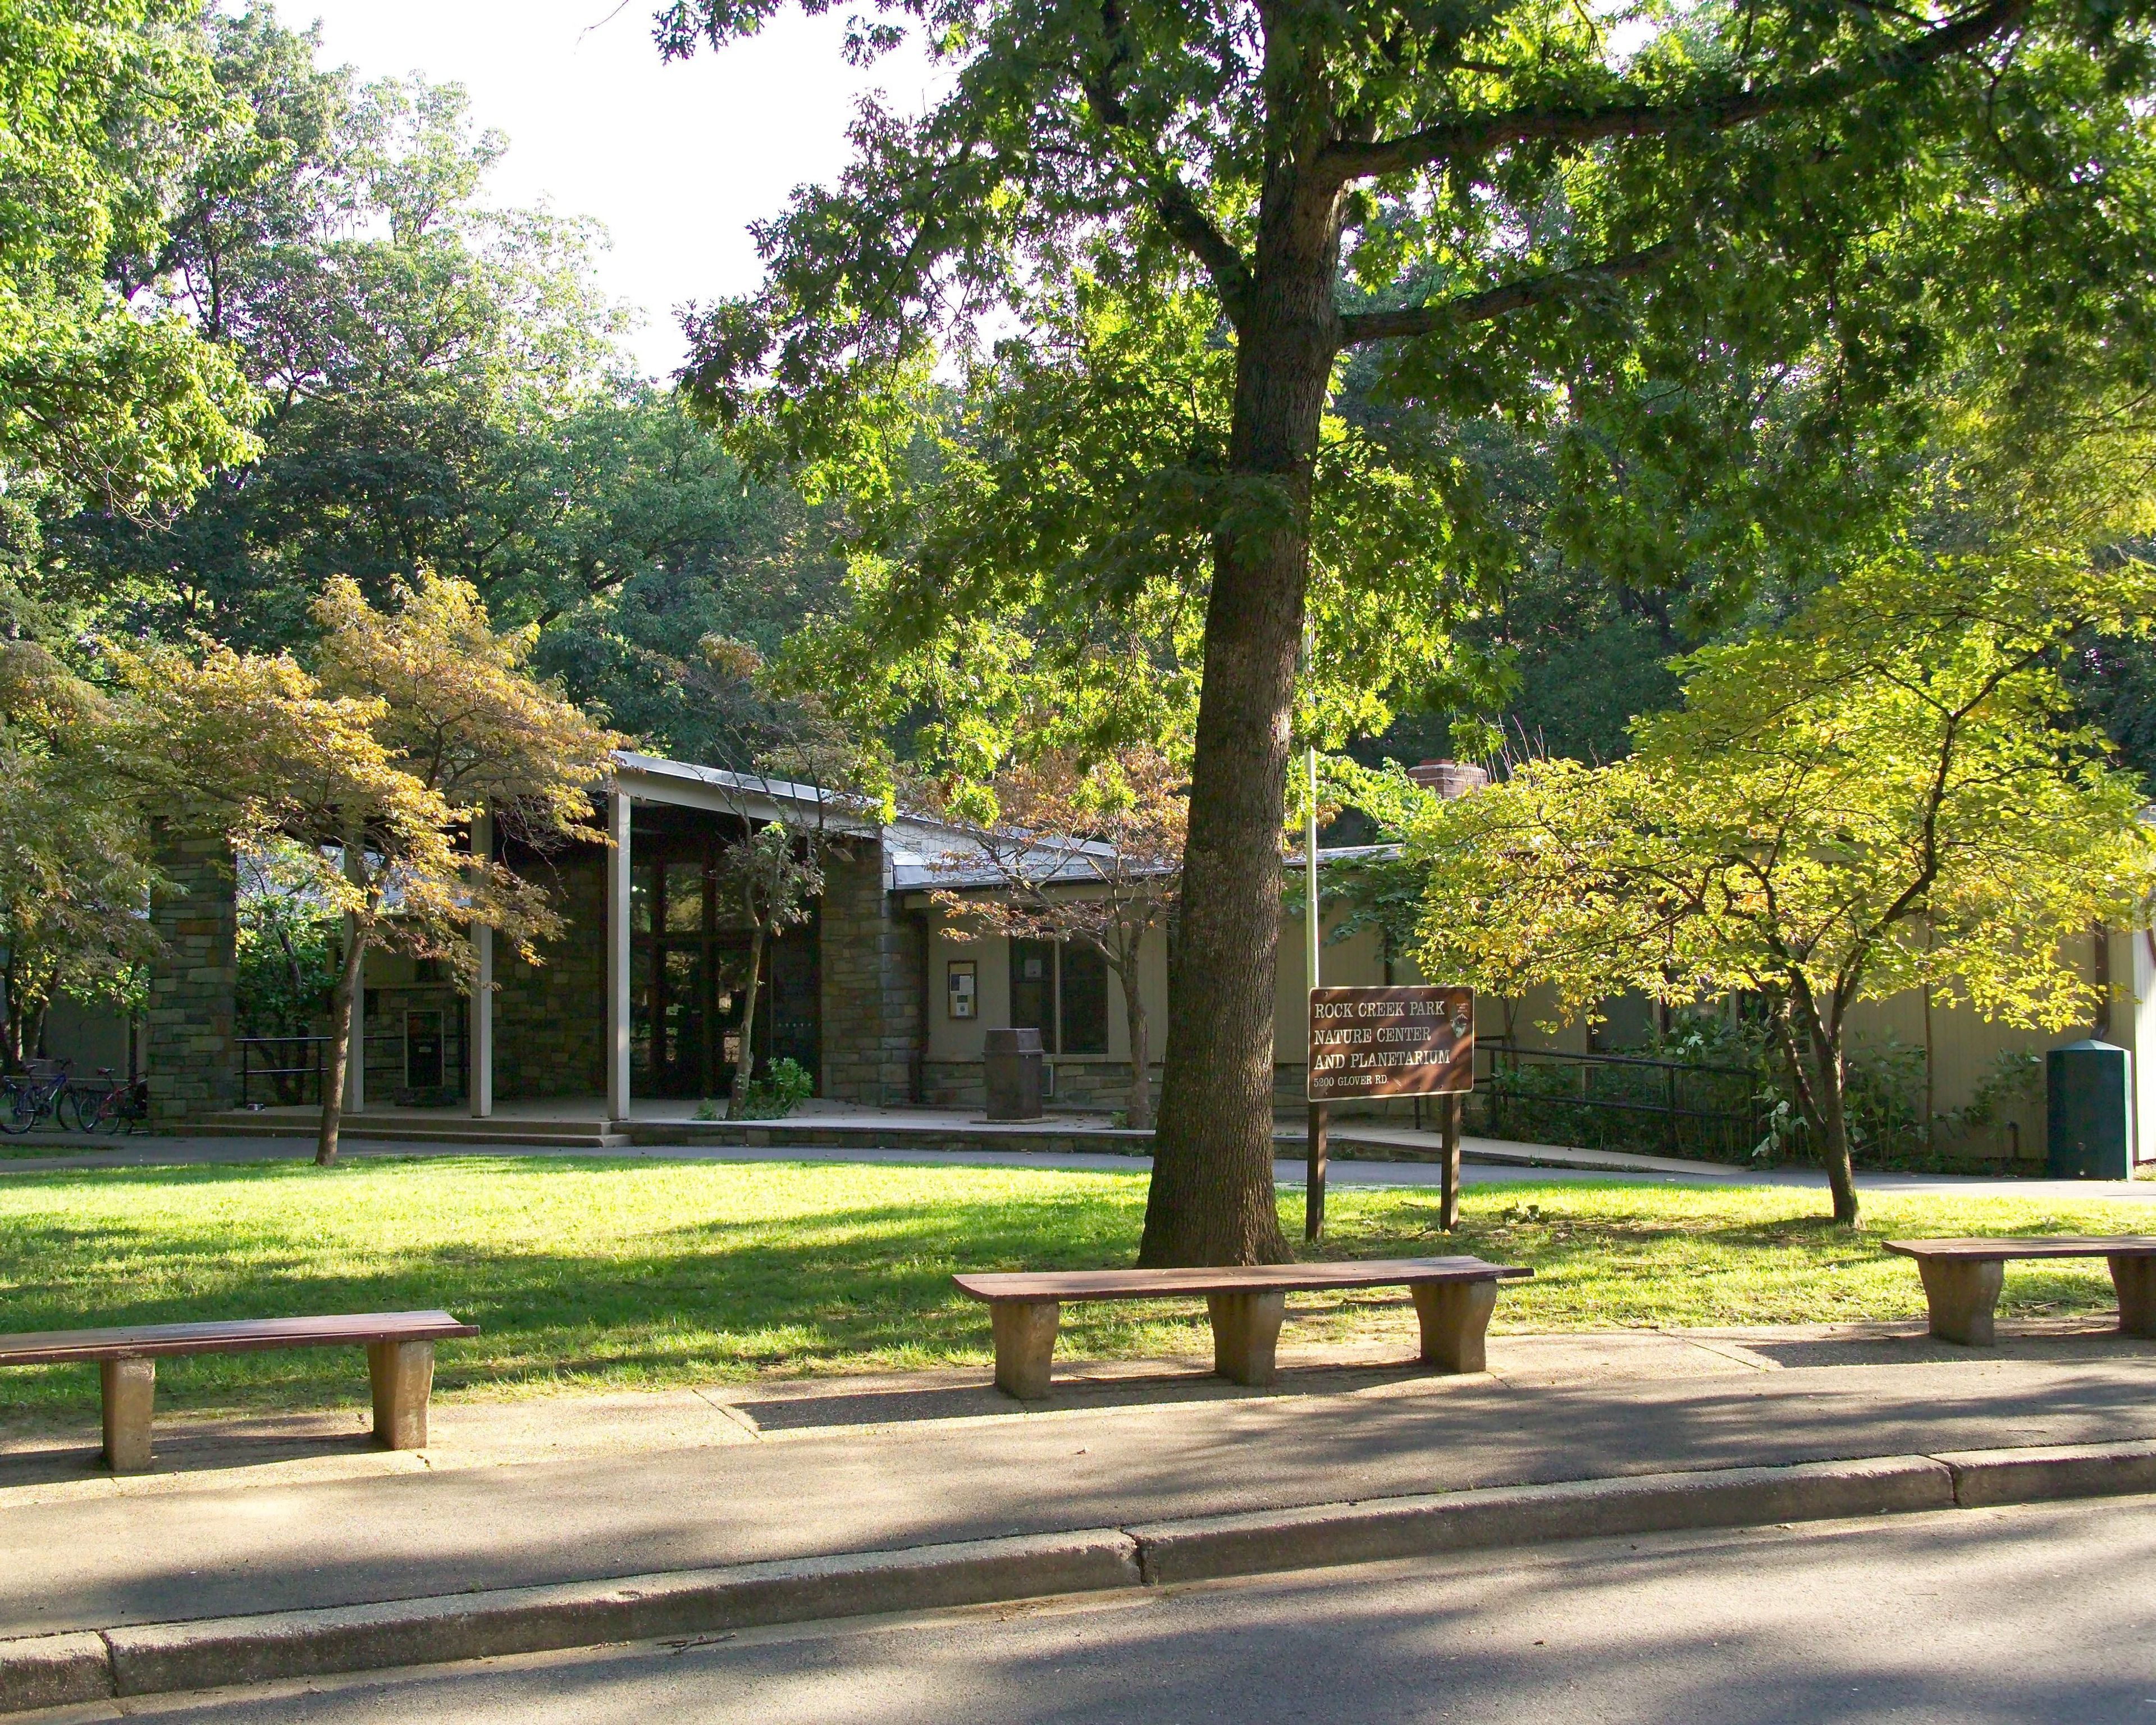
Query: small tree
[[772, 877], [416, 722], [1085, 853], [1885, 793]]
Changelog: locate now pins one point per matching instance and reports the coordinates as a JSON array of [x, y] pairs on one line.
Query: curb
[[151, 1659]]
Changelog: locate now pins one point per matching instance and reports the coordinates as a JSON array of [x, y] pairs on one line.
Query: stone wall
[[189, 1055], [870, 982], [550, 1019]]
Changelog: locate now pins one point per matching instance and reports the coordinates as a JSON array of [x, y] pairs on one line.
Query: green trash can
[[2088, 1098]]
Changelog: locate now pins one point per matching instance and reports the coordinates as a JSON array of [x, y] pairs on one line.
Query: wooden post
[[1314, 1154], [402, 1375], [1448, 1213]]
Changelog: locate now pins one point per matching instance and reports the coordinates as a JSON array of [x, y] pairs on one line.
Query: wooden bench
[[1453, 1298], [400, 1360], [1963, 1278]]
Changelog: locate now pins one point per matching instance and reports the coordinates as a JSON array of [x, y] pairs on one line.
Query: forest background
[[416, 377]]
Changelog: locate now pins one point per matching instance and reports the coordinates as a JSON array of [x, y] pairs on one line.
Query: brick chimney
[[1448, 779]]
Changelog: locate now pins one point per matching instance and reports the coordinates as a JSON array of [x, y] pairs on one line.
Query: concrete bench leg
[[404, 1378], [1245, 1332], [130, 1387], [1961, 1292], [1456, 1323], [1025, 1343], [2135, 1279]]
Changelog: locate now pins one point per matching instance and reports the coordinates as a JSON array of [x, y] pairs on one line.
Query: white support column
[[482, 992], [618, 951]]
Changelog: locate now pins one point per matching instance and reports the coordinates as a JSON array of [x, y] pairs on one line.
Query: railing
[[1602, 1101], [281, 1071]]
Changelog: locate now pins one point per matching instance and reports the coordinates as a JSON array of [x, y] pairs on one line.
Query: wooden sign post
[[1416, 1041]]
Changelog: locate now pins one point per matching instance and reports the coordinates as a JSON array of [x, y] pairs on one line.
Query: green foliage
[[1883, 793], [782, 1089], [444, 390], [102, 398], [288, 944]]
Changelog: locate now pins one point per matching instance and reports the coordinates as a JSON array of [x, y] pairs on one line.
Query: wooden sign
[[1390, 1042]]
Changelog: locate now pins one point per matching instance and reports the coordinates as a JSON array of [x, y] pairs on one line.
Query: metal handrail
[[247, 1045], [1669, 1110]]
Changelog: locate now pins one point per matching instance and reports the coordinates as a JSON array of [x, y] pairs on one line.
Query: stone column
[[618, 885], [871, 1005], [189, 1051]]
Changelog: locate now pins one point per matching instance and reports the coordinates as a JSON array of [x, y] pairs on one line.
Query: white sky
[[674, 160]]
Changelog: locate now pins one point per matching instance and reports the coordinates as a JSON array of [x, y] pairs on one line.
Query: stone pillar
[[189, 1053], [872, 987]]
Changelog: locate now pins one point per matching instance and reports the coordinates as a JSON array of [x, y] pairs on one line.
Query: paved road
[[2037, 1614], [64, 1152]]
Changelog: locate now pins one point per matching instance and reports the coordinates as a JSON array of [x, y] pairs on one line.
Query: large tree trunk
[[342, 999], [745, 1047], [1211, 1200]]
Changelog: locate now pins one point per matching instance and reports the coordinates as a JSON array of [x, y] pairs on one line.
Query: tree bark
[[745, 1049], [1827, 1097], [1140, 1110], [341, 1000], [1211, 1200]]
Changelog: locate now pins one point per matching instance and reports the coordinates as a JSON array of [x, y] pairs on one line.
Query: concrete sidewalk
[[274, 1514]]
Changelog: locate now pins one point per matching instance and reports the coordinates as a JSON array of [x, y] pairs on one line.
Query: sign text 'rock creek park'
[[1390, 1042]]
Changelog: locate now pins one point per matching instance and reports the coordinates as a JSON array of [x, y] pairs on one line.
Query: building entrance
[[689, 967]]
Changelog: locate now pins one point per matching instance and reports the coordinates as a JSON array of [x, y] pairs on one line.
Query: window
[[1033, 988], [1082, 992], [1060, 990]]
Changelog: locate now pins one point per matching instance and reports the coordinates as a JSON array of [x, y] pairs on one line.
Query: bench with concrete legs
[[1453, 1298], [1963, 1278], [400, 1361]]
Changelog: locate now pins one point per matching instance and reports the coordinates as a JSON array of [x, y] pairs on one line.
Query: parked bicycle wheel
[[126, 1106], [18, 1108], [76, 1110]]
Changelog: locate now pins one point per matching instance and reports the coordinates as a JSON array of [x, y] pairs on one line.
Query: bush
[[782, 1089]]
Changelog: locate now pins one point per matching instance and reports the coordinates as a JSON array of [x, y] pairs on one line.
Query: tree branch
[[1173, 201], [1478, 134], [1356, 328]]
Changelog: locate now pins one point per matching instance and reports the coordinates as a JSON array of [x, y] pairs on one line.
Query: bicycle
[[31, 1095], [113, 1106]]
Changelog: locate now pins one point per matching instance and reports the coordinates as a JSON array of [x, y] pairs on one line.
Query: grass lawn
[[638, 1274]]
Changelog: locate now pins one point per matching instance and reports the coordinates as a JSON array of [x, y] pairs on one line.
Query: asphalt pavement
[[2031, 1613]]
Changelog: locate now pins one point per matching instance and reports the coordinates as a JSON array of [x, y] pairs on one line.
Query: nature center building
[[881, 995]]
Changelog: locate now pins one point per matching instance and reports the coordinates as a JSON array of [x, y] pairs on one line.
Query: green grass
[[623, 1275]]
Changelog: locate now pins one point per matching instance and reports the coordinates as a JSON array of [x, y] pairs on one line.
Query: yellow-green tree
[[413, 723], [1884, 793]]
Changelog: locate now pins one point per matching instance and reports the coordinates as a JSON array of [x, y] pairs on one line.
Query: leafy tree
[[413, 722], [770, 876], [1884, 793], [1646, 228], [74, 872], [101, 398], [1090, 854]]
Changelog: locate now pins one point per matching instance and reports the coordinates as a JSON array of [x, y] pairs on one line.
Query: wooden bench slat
[[1078, 1284], [227, 1336], [2057, 1245]]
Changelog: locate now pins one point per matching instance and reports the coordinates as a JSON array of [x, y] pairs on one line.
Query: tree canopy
[[1721, 252], [1884, 793]]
